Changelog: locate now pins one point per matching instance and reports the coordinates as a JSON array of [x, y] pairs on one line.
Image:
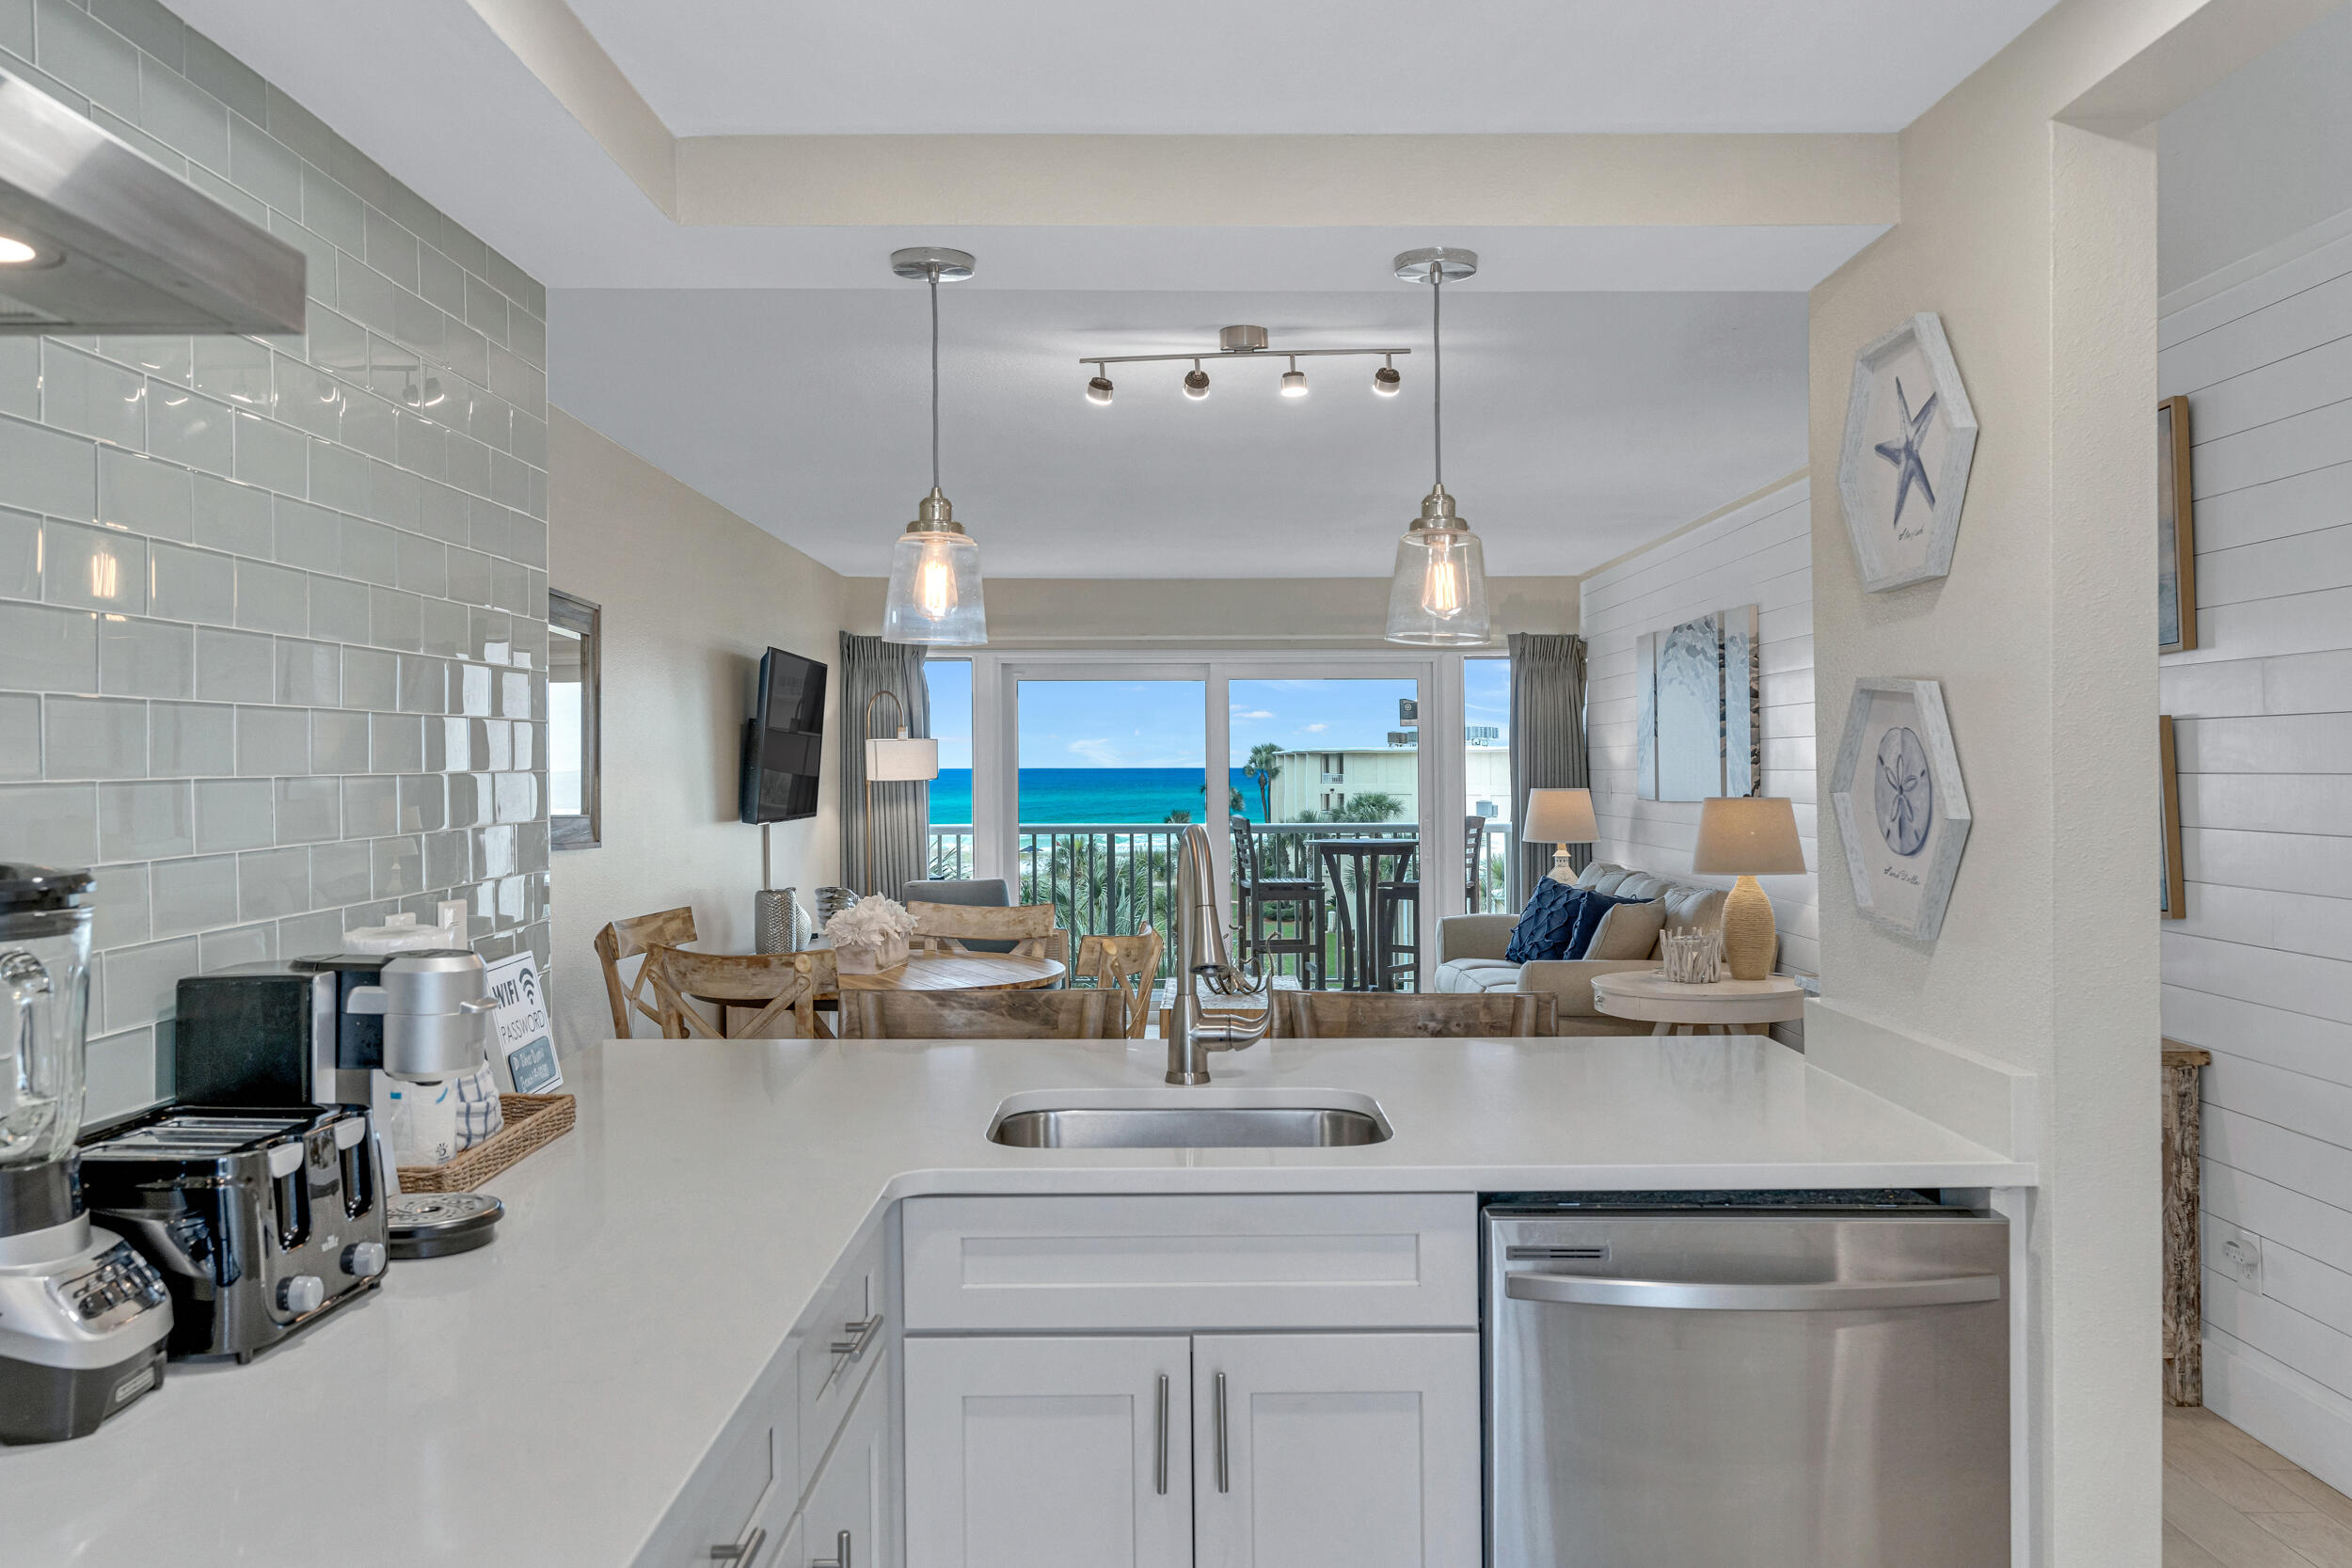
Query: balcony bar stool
[[1399, 955], [1260, 895], [1474, 863]]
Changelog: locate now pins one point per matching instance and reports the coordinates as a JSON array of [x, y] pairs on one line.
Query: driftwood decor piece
[[2184, 1291]]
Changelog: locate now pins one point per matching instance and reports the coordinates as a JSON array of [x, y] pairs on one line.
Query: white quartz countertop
[[542, 1401]]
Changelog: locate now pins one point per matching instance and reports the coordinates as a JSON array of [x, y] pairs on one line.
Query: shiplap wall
[[2260, 972], [1759, 554]]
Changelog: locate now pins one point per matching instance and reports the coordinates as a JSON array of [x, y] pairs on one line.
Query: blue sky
[[1125, 723]]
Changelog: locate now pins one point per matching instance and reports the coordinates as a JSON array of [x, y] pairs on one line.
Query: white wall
[[1758, 553], [2260, 972], [691, 595], [2259, 157]]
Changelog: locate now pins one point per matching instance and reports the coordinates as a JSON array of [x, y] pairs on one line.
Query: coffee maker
[[264, 1191], [83, 1316]]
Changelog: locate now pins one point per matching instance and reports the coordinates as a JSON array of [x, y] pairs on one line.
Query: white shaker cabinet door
[[1070, 1449], [849, 1517], [1336, 1450]]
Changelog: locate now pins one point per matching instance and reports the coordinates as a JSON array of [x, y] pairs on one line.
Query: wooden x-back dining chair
[[629, 939], [984, 1015], [1128, 965], [946, 927], [782, 986], [1308, 1015]]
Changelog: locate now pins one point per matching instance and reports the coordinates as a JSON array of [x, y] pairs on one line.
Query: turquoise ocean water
[[1055, 795]]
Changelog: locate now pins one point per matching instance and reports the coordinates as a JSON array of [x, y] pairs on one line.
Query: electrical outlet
[[2239, 1255]]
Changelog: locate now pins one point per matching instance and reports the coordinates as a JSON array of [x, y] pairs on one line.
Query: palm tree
[[1370, 806], [1264, 767]]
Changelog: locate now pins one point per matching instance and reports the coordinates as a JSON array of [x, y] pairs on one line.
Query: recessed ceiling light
[[15, 252]]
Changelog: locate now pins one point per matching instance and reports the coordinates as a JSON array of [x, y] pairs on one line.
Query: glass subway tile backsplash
[[272, 612]]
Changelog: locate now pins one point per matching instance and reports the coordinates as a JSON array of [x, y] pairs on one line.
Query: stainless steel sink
[[1180, 1125]]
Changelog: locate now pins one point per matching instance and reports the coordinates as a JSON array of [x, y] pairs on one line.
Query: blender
[[83, 1317]]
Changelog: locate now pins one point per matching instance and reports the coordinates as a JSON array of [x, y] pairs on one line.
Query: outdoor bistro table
[[1359, 947]]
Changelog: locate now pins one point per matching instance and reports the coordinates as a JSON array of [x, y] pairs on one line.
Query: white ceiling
[[711, 66], [1602, 395], [1577, 426]]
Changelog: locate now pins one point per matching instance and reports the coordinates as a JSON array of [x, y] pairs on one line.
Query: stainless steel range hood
[[120, 244]]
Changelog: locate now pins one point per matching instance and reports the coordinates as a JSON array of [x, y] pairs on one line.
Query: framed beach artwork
[[1902, 810], [2176, 531], [2173, 889], [1698, 714], [1902, 475]]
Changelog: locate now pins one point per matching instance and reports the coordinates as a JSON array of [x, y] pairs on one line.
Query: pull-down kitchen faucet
[[1201, 965]]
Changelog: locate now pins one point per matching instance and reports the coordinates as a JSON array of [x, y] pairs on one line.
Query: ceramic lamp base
[[1751, 940]]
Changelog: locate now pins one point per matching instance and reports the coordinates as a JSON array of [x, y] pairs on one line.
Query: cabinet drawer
[[1183, 1263], [841, 1348], [747, 1482]]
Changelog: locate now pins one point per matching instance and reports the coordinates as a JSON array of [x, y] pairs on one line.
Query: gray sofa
[[1471, 947]]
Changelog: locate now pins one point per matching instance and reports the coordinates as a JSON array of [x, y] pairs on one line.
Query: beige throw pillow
[[1629, 931]]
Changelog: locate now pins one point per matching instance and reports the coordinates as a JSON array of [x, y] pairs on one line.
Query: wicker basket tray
[[532, 1120]]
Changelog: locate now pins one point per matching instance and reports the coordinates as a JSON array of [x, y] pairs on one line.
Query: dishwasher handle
[[1824, 1296]]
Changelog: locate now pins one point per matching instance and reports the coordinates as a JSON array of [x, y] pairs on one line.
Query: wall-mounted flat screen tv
[[785, 740]]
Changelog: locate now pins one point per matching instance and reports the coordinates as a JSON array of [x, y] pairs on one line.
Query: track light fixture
[[1244, 343]]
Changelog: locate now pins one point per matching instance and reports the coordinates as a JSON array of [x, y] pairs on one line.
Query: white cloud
[[1103, 753], [1254, 713], [1317, 729]]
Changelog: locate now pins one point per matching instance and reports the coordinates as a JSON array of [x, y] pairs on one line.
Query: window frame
[[584, 620]]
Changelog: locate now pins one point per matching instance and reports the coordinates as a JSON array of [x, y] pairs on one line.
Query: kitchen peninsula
[[653, 1348]]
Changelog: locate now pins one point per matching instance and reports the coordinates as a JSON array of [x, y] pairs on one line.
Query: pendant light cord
[[935, 277], [1437, 367]]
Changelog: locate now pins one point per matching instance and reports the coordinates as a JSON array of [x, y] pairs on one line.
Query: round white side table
[[1720, 1007]]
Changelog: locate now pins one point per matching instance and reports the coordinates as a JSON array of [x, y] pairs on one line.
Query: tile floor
[[2231, 1502]]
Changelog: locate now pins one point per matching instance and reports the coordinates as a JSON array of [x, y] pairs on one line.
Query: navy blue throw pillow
[[1590, 911], [1547, 924]]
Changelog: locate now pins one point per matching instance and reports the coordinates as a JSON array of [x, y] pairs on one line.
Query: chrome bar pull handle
[[1736, 1296], [742, 1554], [1159, 1456], [840, 1558], [1223, 1479]]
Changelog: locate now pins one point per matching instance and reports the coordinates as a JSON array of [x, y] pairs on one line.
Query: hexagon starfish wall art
[[1891, 449]]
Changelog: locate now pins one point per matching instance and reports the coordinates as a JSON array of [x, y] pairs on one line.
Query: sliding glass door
[[1107, 774]]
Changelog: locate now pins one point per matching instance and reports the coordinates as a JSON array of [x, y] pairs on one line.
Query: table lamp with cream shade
[[1561, 816], [893, 759], [1748, 836]]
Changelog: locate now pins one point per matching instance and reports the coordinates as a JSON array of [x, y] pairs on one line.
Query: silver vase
[[779, 924]]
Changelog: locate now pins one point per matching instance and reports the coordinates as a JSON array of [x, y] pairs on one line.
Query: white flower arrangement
[[870, 923]]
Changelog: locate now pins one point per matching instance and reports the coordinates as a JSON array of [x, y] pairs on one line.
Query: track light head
[[1195, 383], [1098, 390], [1387, 382], [1294, 381]]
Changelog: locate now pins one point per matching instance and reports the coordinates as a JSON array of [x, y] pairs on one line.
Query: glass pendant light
[[1437, 598], [934, 595]]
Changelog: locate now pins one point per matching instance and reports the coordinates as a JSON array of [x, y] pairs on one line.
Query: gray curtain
[[1546, 740], [902, 812]]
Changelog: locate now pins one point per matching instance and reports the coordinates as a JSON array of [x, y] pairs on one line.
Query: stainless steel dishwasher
[[1754, 1381]]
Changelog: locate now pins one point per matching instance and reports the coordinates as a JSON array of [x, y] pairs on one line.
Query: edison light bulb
[[935, 588], [1441, 585]]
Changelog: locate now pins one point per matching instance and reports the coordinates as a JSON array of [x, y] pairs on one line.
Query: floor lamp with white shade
[[891, 759]]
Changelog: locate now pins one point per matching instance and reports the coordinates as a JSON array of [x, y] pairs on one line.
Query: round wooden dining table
[[934, 972], [959, 971]]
